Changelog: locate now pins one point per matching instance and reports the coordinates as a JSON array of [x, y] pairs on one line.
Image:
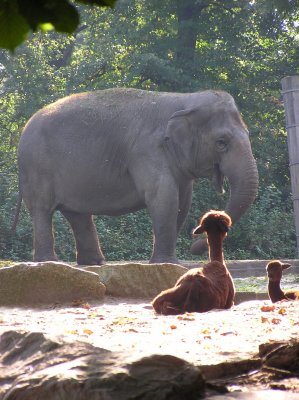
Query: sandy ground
[[132, 326]]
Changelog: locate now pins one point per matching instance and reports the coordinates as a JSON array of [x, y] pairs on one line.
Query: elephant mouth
[[217, 179]]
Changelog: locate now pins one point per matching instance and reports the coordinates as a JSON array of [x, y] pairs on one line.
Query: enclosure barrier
[[290, 93]]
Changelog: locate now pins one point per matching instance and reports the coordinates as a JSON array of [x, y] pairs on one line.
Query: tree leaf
[[65, 17], [46, 26], [88, 331], [13, 27], [60, 13]]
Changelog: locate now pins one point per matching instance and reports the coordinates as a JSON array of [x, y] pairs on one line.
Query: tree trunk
[[188, 12]]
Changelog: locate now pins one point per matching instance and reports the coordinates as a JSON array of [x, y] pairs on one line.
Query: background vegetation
[[244, 47]]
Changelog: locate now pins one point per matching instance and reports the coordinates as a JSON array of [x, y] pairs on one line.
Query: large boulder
[[35, 368], [138, 280], [34, 284]]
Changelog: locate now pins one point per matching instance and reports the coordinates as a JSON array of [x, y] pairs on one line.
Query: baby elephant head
[[216, 221], [274, 270]]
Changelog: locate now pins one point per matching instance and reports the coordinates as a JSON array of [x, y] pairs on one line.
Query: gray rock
[[138, 280], [35, 368], [33, 284]]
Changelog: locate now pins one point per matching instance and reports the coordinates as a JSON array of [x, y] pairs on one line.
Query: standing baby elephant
[[116, 151]]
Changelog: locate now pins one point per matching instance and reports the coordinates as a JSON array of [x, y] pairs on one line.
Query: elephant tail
[[16, 216]]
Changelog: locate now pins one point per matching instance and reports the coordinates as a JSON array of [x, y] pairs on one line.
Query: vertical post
[[290, 92]]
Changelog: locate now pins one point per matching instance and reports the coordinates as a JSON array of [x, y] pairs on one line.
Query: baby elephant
[[274, 271], [202, 289]]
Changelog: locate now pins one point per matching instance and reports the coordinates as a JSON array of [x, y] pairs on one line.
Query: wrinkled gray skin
[[116, 151]]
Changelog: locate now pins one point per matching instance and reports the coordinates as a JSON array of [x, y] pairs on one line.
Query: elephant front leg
[[86, 237], [163, 209]]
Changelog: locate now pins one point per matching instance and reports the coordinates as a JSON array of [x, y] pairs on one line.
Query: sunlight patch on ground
[[132, 326]]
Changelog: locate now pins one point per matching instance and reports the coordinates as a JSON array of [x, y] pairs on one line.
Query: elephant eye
[[221, 145]]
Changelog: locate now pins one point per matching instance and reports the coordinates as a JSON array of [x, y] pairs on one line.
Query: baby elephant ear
[[285, 266]]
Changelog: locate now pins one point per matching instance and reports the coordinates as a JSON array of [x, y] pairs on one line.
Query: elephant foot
[[43, 258], [164, 260], [90, 261]]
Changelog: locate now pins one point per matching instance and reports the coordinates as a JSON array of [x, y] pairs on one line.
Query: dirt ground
[[131, 325]]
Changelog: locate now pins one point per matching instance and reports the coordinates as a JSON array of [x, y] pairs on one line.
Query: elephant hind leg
[[43, 236], [87, 242]]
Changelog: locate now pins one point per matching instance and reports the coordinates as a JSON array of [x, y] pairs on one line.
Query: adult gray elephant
[[115, 151]]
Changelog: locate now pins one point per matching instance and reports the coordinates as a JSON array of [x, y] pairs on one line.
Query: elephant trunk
[[242, 194], [243, 190]]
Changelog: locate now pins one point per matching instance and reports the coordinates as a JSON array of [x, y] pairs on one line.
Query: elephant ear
[[179, 139]]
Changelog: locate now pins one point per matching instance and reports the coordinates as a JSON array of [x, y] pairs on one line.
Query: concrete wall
[[248, 268]]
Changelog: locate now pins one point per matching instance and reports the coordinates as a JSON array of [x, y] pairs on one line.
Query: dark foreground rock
[[33, 284], [35, 368], [138, 280], [276, 369]]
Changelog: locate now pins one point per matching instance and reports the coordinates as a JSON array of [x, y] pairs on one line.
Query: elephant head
[[210, 140]]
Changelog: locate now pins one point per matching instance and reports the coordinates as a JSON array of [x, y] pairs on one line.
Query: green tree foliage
[[18, 17], [244, 47]]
